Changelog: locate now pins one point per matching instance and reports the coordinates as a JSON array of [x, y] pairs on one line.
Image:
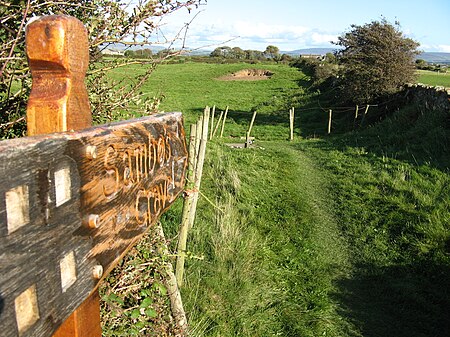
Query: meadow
[[434, 78], [328, 235]]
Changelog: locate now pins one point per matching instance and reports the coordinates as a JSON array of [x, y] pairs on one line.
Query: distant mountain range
[[309, 51], [430, 57]]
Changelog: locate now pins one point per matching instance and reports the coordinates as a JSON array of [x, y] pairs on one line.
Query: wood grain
[[137, 172], [58, 56]]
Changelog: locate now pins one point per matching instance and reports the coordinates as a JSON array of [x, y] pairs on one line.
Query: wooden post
[[367, 109], [247, 140], [59, 102], [176, 302], [291, 123], [223, 123], [65, 206], [218, 124], [330, 113], [365, 113], [187, 205], [198, 137], [212, 121], [199, 167], [58, 63]]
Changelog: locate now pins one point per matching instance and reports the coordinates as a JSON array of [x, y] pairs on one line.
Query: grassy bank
[[342, 235]]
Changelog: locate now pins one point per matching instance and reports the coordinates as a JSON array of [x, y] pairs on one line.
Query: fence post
[[291, 122], [365, 113], [212, 122], [189, 197], [59, 102], [218, 124], [330, 114], [247, 140], [199, 166], [223, 123]]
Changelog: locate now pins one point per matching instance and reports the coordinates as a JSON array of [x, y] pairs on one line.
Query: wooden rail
[[73, 203]]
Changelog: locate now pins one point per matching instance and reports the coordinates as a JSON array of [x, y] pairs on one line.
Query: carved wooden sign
[[71, 204]]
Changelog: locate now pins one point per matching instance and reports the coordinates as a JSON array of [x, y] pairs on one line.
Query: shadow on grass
[[398, 301], [407, 135]]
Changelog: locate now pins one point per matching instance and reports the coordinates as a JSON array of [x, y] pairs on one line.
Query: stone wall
[[428, 97]]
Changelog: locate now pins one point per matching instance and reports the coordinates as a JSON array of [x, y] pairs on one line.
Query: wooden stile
[[74, 203]]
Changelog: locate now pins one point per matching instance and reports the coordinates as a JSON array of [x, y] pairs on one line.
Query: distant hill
[[309, 51], [432, 57]]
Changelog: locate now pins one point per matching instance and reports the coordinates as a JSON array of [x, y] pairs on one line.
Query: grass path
[[318, 241], [318, 258], [273, 259]]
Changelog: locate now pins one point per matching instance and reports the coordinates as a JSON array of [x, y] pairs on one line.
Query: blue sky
[[297, 24]]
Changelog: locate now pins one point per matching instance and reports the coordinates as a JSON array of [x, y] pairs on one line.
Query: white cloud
[[321, 39], [254, 35], [265, 31], [444, 48]]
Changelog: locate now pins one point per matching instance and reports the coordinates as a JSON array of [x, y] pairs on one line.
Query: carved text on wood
[[71, 204]]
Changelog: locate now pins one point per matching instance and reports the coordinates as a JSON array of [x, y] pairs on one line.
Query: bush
[[109, 99]]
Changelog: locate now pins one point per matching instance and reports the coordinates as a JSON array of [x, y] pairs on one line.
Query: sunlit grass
[[344, 235], [434, 78]]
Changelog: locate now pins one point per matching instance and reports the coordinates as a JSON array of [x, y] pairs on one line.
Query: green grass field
[[434, 78], [341, 235]]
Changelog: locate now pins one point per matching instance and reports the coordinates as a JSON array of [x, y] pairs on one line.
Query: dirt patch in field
[[248, 75]]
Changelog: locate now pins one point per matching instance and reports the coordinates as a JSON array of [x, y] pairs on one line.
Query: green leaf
[[162, 289], [135, 313], [145, 292], [146, 302], [150, 312], [139, 325], [114, 298]]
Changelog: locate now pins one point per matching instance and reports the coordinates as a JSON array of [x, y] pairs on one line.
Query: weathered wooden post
[[73, 203], [224, 121], [330, 116], [59, 46], [247, 136], [291, 123], [218, 124]]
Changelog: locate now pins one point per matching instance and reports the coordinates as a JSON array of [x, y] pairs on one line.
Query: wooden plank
[[79, 201]]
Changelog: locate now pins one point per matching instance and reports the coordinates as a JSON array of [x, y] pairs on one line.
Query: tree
[[376, 60], [107, 22], [272, 52], [224, 52], [238, 53]]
